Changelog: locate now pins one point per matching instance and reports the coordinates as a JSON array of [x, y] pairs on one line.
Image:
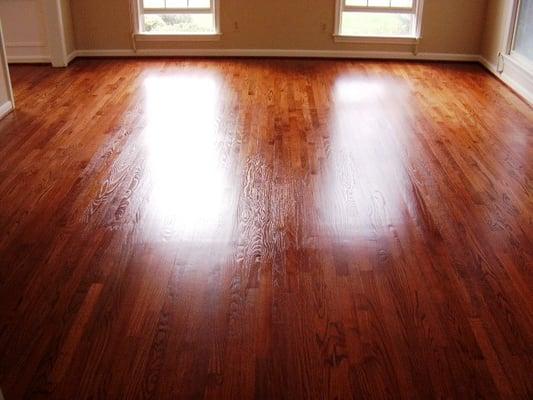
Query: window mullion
[[177, 11], [390, 10]]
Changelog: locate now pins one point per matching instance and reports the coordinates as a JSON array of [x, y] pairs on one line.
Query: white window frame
[[139, 11], [513, 68], [416, 10], [511, 37]]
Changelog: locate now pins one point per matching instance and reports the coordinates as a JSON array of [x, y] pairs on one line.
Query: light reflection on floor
[[188, 178], [361, 192]]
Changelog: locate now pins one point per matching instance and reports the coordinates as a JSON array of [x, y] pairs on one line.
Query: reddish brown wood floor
[[269, 229]]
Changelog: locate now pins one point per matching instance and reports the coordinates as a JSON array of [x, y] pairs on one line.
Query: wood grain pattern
[[268, 229]]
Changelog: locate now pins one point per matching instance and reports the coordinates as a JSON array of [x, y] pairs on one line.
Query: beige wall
[[496, 29], [449, 26]]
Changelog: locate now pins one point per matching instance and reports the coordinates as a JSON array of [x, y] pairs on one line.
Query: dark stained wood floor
[[269, 229]]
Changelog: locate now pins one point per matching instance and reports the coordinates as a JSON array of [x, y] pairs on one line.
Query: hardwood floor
[[268, 229]]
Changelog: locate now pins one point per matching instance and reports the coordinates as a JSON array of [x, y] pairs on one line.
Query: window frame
[[416, 10], [138, 11], [512, 37]]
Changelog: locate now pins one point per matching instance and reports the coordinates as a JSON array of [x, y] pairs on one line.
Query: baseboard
[[522, 86], [277, 53], [71, 57], [6, 108], [488, 65], [29, 60]]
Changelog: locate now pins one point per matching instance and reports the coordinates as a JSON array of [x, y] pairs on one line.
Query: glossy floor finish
[[268, 229]]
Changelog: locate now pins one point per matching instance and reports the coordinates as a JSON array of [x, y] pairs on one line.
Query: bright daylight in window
[[523, 43], [187, 17], [379, 18]]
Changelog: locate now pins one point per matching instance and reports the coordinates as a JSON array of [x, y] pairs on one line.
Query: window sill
[[376, 39], [519, 60], [183, 37]]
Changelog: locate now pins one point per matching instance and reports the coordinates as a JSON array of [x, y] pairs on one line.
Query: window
[[178, 17], [397, 19], [523, 41], [515, 61]]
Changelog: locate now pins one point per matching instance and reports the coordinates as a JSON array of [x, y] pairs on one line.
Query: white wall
[[25, 30]]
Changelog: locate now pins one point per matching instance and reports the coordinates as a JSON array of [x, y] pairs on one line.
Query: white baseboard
[[512, 76], [487, 64], [519, 77], [28, 60], [6, 108], [277, 53], [71, 57]]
